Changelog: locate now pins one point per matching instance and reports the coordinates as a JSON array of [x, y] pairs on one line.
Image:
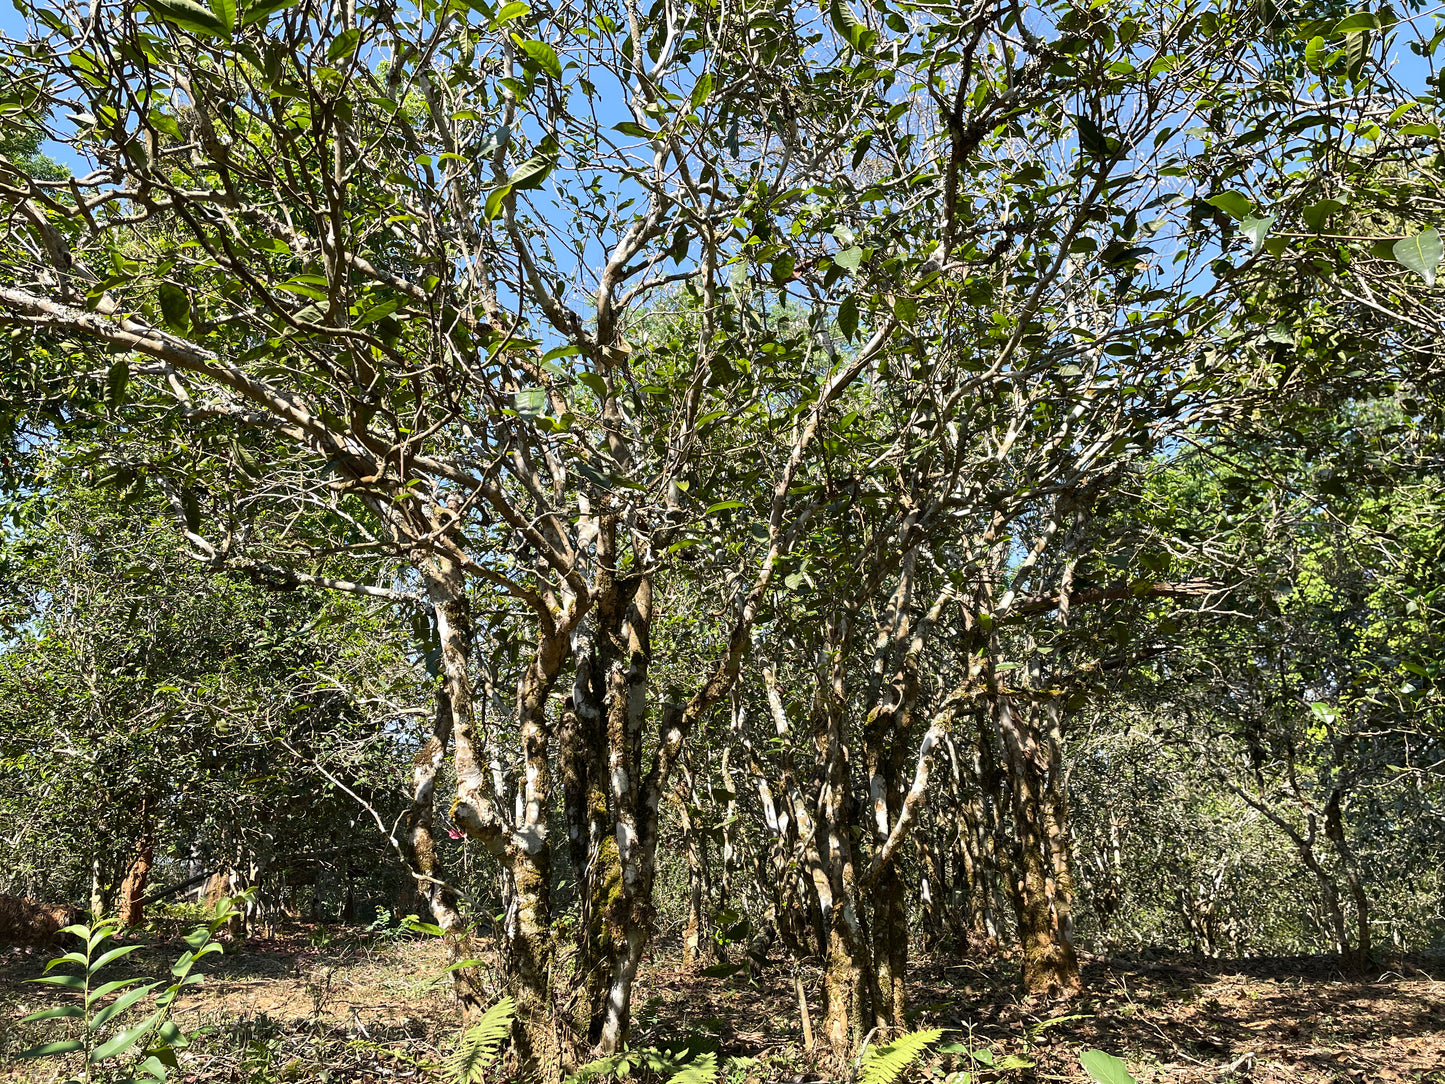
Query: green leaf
[[1105, 1068], [1421, 254], [500, 137], [1360, 20], [632, 128], [124, 1040], [885, 1064], [51, 1049], [264, 9], [225, 12], [594, 383], [120, 1004], [701, 1069], [173, 1035], [70, 982], [531, 173], [158, 1063], [852, 29], [310, 314], [531, 402], [495, 199], [515, 10], [188, 15], [850, 258], [479, 1045], [1234, 204], [376, 312], [848, 317], [110, 988], [1092, 140], [461, 965], [722, 506], [1318, 213], [113, 954], [701, 90], [175, 307], [167, 124], [1256, 229], [344, 45], [61, 1012], [541, 54]]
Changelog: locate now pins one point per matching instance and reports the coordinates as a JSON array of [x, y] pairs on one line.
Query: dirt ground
[[338, 1006]]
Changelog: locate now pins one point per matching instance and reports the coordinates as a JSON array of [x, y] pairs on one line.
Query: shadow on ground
[[325, 1005]]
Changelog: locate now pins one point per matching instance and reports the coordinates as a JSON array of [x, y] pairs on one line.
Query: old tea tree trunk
[[521, 844], [1050, 965]]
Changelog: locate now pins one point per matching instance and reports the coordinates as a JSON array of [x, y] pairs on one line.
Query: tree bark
[[591, 846], [847, 1008], [452, 610], [522, 847], [137, 876], [420, 822], [696, 939], [1056, 823], [529, 948], [1050, 964], [629, 910], [1359, 956], [890, 951]]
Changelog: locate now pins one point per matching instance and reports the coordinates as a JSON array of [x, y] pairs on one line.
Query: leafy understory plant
[[700, 1068], [1105, 1068], [480, 1043], [985, 1057], [885, 1064], [150, 1044]]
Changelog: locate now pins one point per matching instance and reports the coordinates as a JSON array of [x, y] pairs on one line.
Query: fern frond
[[700, 1070], [478, 1046], [599, 1067], [885, 1064]]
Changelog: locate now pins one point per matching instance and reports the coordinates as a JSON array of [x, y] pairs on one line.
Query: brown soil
[[307, 1007]]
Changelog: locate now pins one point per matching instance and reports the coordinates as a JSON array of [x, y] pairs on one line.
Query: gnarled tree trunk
[[522, 845], [137, 876], [1050, 964]]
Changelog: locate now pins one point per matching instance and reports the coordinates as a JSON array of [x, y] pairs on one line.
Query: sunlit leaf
[[188, 15], [531, 173], [541, 54], [530, 402], [1256, 229], [1105, 1068], [123, 1040], [1421, 254], [853, 30], [47, 1050], [1234, 204], [343, 45]]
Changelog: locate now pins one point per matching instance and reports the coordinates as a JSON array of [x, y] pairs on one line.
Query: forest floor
[[323, 1005]]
